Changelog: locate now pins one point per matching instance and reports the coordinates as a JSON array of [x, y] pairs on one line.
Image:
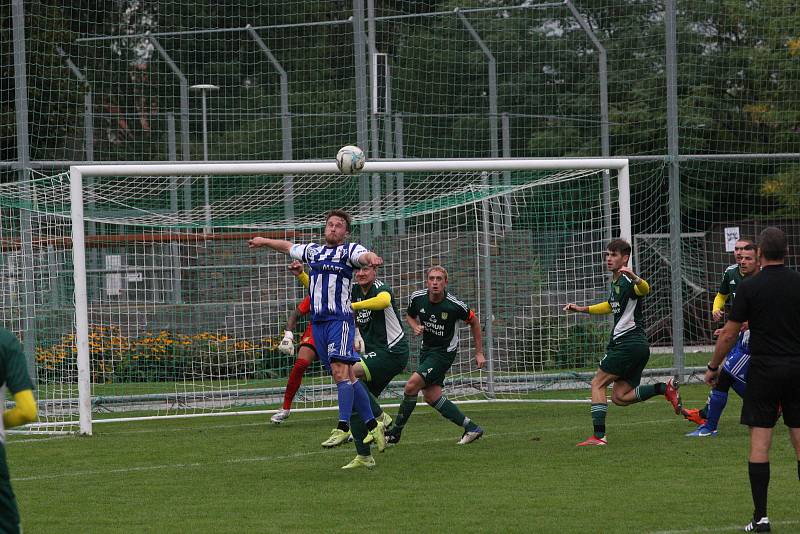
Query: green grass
[[241, 474]]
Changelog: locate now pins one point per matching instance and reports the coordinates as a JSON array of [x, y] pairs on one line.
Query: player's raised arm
[[371, 259], [640, 285], [280, 245]]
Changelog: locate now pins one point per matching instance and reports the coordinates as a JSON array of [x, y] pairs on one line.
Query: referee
[[770, 303]]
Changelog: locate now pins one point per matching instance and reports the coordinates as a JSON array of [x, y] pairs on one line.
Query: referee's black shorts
[[773, 384]]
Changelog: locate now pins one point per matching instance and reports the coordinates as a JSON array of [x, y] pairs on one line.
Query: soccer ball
[[350, 159]]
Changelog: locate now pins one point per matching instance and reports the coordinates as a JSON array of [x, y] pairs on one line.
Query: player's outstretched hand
[[572, 307], [717, 315], [480, 359], [376, 261], [296, 267], [257, 242]]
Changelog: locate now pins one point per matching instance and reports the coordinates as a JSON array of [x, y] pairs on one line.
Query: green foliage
[[163, 357]]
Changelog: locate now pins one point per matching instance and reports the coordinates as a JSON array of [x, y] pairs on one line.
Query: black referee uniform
[[770, 302]]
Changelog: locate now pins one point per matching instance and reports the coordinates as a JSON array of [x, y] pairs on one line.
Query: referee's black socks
[[759, 484]]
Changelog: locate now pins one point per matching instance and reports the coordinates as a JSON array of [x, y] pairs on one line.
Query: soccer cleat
[[762, 525], [336, 438], [280, 417], [361, 461], [470, 435], [672, 395], [377, 436], [392, 438], [701, 432], [386, 419], [593, 441], [694, 416]]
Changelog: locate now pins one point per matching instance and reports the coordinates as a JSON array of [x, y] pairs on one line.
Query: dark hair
[[772, 243], [348, 221], [749, 244], [621, 246]]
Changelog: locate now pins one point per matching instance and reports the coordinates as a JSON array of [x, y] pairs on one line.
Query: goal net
[[136, 295]]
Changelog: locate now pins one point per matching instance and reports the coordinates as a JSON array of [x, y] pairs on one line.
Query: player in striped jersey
[[332, 265], [628, 350], [434, 314]]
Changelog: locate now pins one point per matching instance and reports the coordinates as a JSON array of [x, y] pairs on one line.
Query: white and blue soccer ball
[[350, 159]]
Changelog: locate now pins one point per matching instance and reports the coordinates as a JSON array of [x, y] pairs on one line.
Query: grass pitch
[[242, 474]]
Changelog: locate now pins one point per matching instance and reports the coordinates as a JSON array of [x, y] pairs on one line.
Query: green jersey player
[[435, 315], [383, 346], [13, 377], [628, 350]]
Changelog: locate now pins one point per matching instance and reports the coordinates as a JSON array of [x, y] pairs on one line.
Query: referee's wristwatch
[[712, 369]]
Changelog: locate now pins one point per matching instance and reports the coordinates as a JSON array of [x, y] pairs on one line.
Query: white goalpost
[[175, 317]]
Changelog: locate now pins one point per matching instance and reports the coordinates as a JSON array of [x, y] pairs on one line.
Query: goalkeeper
[[628, 350], [306, 351], [14, 376]]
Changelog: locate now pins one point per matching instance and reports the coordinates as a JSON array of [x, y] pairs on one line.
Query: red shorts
[[308, 338]]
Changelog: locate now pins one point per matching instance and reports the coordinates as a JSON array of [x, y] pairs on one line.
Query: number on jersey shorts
[[434, 364], [334, 341], [380, 367], [626, 358]]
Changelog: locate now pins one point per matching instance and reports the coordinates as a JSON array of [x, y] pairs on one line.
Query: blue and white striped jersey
[[331, 277]]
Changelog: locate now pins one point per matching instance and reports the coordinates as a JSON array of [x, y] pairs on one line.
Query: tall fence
[[702, 97]]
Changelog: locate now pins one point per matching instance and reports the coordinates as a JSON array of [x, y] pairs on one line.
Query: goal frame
[[77, 173]]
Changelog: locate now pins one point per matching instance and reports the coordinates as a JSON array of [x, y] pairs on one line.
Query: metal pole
[[492, 65], [505, 129], [175, 248], [674, 188], [374, 116], [286, 123], [362, 106], [486, 311], [184, 99], [400, 184], [602, 71], [28, 324], [203, 88]]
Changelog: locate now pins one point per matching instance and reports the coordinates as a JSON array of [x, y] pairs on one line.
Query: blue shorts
[[334, 341], [737, 363]]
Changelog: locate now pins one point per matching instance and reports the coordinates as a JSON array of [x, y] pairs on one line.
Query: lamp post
[[204, 88]]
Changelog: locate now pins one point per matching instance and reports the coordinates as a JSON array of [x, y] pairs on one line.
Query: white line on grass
[[296, 454]]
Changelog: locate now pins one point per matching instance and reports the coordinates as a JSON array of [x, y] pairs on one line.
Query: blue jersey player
[[737, 362], [332, 265]]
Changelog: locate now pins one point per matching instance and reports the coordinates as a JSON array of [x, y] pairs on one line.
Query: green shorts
[[434, 364], [626, 358], [380, 367]]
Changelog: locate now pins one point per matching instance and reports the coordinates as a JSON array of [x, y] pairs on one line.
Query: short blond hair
[[436, 268]]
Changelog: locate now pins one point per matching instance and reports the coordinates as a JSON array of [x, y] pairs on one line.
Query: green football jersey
[[439, 319], [13, 369], [627, 309], [381, 329], [731, 279]]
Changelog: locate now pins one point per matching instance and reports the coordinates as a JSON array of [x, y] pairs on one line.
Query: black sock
[[343, 426], [759, 484], [661, 388], [371, 424]]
